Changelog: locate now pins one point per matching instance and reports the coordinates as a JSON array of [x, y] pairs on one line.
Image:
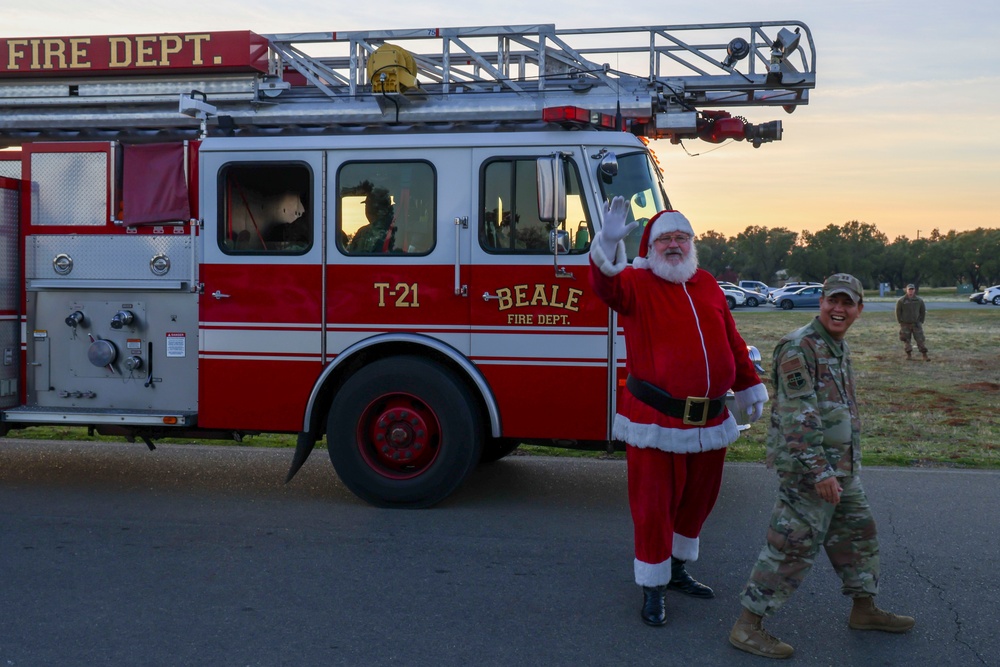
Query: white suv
[[734, 297], [751, 299], [992, 295]]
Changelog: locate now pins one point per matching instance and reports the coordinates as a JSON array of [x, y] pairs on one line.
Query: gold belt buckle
[[696, 402]]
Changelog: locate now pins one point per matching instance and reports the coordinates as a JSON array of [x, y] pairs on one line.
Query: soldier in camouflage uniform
[[814, 444], [379, 235], [910, 312]]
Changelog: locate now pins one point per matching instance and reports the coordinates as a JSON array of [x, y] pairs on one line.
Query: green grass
[[945, 412], [942, 413]]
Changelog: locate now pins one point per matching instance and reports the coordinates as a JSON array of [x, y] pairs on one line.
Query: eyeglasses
[[679, 239]]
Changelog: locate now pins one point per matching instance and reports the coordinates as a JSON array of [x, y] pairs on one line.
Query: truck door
[[262, 276], [393, 244], [539, 335], [9, 293]]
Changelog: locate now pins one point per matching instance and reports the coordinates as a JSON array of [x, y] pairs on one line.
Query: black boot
[[654, 606], [681, 581]]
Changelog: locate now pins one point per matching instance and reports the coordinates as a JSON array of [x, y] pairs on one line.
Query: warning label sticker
[[176, 344]]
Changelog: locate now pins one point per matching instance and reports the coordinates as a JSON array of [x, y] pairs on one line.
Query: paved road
[[111, 555]]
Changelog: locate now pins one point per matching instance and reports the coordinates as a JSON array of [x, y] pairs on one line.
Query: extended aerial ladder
[[659, 82]]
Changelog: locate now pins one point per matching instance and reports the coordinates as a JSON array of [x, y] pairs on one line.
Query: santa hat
[[661, 223]]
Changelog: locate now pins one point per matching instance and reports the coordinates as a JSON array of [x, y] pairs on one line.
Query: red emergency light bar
[[578, 116], [175, 53]]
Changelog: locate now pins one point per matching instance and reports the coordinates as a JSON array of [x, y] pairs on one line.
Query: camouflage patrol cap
[[844, 283], [911, 286]]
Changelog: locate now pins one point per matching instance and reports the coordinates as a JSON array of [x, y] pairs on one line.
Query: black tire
[[787, 304], [752, 302], [403, 432], [495, 449], [731, 301], [996, 300]]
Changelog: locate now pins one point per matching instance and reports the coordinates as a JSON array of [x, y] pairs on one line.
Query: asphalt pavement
[[200, 555]]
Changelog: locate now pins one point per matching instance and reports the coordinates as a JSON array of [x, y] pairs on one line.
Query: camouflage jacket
[[372, 239], [910, 311], [815, 426]]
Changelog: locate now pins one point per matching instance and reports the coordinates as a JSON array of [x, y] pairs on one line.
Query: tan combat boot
[[749, 635], [866, 616], [909, 355], [926, 358]]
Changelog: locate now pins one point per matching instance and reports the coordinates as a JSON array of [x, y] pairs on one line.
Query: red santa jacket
[[682, 338]]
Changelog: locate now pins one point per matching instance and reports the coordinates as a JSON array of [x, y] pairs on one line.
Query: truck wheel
[[731, 302], [496, 448], [403, 432], [752, 301], [787, 304]]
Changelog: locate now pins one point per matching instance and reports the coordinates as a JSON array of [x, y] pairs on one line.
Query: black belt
[[694, 410]]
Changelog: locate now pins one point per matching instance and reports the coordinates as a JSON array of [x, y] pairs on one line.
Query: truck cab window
[[638, 181], [265, 209], [385, 208], [508, 216]]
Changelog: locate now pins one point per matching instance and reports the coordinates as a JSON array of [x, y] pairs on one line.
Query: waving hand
[[614, 229]]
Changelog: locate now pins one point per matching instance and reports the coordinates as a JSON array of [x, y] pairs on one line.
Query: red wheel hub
[[399, 436]]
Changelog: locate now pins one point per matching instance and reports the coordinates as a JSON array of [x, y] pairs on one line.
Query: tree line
[[858, 248]]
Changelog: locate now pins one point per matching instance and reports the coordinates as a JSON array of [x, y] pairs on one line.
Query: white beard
[[673, 273]]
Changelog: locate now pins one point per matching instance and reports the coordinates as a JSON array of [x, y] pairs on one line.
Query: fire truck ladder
[[656, 81]]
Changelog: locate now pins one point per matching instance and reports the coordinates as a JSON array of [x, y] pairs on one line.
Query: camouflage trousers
[[916, 329], [802, 523]]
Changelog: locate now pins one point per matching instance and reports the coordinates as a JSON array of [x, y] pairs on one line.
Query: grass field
[[942, 413]]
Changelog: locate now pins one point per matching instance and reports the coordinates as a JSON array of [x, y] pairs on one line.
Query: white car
[[734, 297], [992, 295], [751, 299]]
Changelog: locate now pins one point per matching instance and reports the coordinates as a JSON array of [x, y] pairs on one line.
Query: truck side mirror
[[559, 241], [608, 168], [551, 189]]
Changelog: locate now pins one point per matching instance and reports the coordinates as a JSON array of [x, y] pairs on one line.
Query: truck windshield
[[639, 183]]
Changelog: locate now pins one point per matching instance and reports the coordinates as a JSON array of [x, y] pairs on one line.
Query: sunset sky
[[902, 131]]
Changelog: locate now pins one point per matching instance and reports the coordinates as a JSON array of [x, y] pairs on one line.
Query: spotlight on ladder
[[737, 50]]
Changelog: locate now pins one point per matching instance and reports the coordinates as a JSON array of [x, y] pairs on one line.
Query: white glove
[[755, 411], [751, 401], [614, 228]]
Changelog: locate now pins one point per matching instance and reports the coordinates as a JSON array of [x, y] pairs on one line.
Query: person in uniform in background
[[910, 312], [684, 354], [379, 235], [814, 444]]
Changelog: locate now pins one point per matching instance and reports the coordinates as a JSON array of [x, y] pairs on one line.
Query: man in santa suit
[[684, 354]]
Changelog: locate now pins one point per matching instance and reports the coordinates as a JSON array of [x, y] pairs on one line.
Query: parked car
[[752, 299], [803, 297], [992, 295], [755, 286], [734, 297], [787, 288], [977, 297]]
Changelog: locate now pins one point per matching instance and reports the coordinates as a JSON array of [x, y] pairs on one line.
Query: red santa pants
[[669, 493]]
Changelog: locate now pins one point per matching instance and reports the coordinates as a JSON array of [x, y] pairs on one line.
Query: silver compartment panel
[[121, 259]]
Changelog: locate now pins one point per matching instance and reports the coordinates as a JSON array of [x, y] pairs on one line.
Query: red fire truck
[[379, 238]]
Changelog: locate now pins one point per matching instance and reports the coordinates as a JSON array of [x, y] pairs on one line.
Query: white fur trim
[[747, 397], [608, 266], [686, 548], [670, 221], [676, 440], [652, 574]]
